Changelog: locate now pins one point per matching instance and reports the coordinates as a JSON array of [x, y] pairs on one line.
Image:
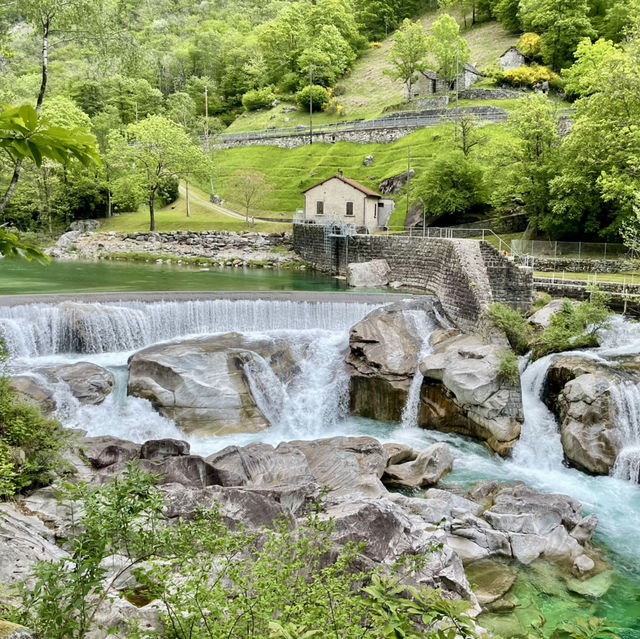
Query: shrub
[[258, 99], [319, 97], [287, 581], [509, 368], [289, 82], [575, 327], [530, 45], [528, 77], [513, 324], [541, 300]]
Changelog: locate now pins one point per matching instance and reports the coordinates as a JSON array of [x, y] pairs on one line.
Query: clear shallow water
[[314, 405], [18, 277]]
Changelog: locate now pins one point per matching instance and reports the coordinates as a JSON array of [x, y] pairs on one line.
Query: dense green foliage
[[30, 444], [215, 582], [575, 326]]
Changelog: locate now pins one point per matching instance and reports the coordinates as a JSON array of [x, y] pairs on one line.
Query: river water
[[315, 404]]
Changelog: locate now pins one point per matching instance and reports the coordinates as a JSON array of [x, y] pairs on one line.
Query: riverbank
[[207, 248]]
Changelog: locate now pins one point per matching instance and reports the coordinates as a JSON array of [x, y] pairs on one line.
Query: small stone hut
[[341, 199], [512, 59], [428, 82]]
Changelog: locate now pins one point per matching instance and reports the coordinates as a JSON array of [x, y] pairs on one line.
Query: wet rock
[[431, 465], [491, 580], [542, 318], [383, 356], [464, 392], [346, 465], [579, 393], [159, 449], [203, 383], [374, 274], [584, 530], [399, 453], [583, 564], [105, 451], [87, 382]]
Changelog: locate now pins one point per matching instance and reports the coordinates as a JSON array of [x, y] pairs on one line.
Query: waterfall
[[626, 398], [46, 329], [423, 326], [539, 445]]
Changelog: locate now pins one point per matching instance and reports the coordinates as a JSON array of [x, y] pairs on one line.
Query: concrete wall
[[335, 194], [466, 275]]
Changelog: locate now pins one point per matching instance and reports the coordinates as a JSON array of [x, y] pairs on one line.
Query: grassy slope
[[366, 91], [292, 171], [174, 218]]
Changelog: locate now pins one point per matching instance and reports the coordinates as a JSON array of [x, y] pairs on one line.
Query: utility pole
[[408, 180], [310, 104], [136, 112], [206, 140]]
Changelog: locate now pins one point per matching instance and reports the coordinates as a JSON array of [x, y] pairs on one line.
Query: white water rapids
[[313, 404]]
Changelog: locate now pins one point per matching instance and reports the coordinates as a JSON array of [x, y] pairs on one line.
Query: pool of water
[[19, 277]]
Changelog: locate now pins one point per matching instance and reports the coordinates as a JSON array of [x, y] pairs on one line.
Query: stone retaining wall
[[467, 276], [573, 265]]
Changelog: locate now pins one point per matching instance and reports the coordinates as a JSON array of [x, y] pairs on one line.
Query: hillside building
[[426, 83], [512, 59], [340, 199]]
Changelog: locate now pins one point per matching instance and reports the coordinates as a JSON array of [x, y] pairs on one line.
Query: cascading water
[[424, 326], [45, 329], [626, 398], [539, 445]]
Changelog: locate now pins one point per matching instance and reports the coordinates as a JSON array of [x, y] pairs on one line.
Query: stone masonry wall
[[467, 276]]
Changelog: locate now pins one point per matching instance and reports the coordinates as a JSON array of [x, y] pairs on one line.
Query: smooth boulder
[[431, 465], [208, 385], [465, 392], [374, 274]]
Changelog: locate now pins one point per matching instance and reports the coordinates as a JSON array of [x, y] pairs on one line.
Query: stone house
[[429, 83], [340, 199], [512, 59]]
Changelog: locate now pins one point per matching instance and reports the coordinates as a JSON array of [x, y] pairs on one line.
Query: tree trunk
[[43, 89], [11, 190], [45, 66], [246, 214], [188, 202], [152, 211]]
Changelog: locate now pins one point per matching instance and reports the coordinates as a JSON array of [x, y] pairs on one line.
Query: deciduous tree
[[408, 54], [247, 186]]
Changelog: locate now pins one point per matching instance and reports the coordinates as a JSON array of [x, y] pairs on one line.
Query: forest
[[150, 80]]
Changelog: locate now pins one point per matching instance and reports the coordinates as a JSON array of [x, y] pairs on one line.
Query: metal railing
[[571, 250], [416, 121]]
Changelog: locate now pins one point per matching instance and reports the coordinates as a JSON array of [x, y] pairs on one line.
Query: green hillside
[[292, 171]]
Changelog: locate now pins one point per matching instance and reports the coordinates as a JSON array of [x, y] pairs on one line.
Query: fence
[[570, 250], [416, 121]]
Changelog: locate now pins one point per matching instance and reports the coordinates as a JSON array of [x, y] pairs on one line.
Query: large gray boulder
[[206, 384], [25, 541], [87, 382], [431, 465], [384, 353], [579, 392], [374, 274], [465, 392]]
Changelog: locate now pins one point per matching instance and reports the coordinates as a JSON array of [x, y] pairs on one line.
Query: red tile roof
[[350, 182]]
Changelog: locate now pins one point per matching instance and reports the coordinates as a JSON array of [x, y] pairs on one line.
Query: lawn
[[174, 218], [290, 172]]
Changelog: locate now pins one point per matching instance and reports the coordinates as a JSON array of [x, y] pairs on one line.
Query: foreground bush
[[30, 444], [258, 99], [528, 77], [214, 583], [319, 97]]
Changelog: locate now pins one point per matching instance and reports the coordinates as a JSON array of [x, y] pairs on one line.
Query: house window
[[349, 208], [319, 208]]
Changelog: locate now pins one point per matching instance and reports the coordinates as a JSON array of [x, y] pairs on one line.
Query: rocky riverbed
[[474, 531], [223, 248]]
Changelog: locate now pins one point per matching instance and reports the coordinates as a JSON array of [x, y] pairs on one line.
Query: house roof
[[470, 67], [350, 182], [512, 48], [431, 75]]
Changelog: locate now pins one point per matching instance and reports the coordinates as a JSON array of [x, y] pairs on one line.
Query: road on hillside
[[194, 197]]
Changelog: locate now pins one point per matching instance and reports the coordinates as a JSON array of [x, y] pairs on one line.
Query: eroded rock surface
[[205, 384], [384, 353], [464, 392], [374, 274]]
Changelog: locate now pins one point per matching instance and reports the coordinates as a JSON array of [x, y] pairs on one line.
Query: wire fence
[[571, 250], [416, 121]]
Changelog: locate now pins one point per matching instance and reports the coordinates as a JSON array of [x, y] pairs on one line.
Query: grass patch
[[293, 171], [174, 218]]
